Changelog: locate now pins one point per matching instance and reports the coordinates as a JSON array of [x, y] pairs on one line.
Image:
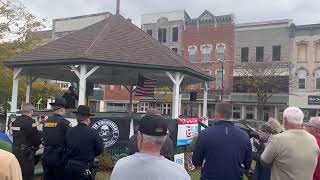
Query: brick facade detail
[[212, 35]]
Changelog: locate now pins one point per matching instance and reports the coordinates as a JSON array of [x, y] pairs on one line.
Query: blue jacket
[[224, 151]]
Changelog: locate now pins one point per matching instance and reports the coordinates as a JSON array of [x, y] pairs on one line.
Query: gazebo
[[112, 51]]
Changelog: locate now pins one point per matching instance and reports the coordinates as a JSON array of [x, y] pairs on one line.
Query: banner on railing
[[187, 129]]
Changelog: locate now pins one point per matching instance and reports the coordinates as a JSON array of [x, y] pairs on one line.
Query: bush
[[105, 162]]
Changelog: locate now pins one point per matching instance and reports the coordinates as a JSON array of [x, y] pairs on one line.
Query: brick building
[[208, 42]]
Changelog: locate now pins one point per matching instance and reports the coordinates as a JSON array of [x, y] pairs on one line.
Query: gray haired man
[[148, 164], [292, 154]]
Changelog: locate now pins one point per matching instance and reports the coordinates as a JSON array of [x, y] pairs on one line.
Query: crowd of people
[[69, 153], [223, 151]]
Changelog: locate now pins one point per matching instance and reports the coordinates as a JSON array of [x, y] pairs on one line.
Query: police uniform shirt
[[24, 130], [54, 130], [83, 143]]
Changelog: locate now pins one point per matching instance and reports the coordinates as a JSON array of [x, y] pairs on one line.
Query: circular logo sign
[[108, 131]]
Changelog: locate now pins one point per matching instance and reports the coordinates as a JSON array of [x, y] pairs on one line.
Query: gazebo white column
[[176, 79], [15, 88], [14, 95], [205, 101], [83, 75]]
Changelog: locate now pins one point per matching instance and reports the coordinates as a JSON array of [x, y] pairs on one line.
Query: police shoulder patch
[[15, 128], [50, 125]]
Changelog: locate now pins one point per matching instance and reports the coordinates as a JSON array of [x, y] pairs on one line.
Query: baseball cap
[[153, 125]]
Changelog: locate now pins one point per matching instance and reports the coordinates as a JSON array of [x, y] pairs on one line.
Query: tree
[[17, 23], [263, 80], [163, 94], [44, 90]]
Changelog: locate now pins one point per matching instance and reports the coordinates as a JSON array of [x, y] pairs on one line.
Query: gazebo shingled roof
[[114, 41]]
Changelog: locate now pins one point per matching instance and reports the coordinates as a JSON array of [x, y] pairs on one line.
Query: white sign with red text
[[187, 129]]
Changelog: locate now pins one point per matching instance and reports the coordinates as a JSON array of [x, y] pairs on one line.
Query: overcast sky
[[301, 11]]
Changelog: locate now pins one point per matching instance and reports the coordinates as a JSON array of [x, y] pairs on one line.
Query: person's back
[[54, 131], [141, 166], [292, 154], [297, 153], [225, 148], [83, 144], [9, 166]]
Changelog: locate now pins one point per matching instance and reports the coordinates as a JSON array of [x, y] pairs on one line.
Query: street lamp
[[222, 88]]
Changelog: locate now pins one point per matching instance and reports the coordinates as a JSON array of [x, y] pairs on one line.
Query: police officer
[[26, 140], [83, 145], [54, 131]]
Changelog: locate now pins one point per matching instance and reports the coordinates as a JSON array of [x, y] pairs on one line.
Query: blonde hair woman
[[275, 125]]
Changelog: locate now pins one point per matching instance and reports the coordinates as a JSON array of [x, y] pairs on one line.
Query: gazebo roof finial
[[118, 7]]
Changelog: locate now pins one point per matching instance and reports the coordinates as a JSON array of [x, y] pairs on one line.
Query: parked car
[[256, 124], [252, 132]]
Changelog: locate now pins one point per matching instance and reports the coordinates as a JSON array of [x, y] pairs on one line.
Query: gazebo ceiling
[[121, 49]]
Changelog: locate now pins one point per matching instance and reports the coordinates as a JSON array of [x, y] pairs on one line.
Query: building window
[[219, 75], [116, 107], [166, 108], [302, 74], [162, 35], [220, 52], [135, 107], [236, 112], [111, 87], [276, 53], [259, 54], [317, 77], [175, 50], [122, 87], [244, 54], [206, 53], [317, 51], [144, 106], [192, 53], [149, 31], [249, 112], [302, 52], [175, 34]]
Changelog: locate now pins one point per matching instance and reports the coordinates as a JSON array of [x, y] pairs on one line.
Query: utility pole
[[118, 7]]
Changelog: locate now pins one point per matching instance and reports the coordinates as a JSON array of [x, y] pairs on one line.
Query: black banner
[[114, 132], [314, 100]]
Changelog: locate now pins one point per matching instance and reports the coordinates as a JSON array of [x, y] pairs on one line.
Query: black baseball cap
[[153, 125]]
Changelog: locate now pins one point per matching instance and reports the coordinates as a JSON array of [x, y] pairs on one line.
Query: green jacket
[[4, 145]]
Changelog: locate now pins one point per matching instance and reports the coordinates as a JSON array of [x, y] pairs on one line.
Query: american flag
[[145, 86]]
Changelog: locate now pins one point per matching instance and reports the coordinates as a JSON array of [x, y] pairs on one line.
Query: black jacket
[[83, 144], [54, 131], [25, 132]]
